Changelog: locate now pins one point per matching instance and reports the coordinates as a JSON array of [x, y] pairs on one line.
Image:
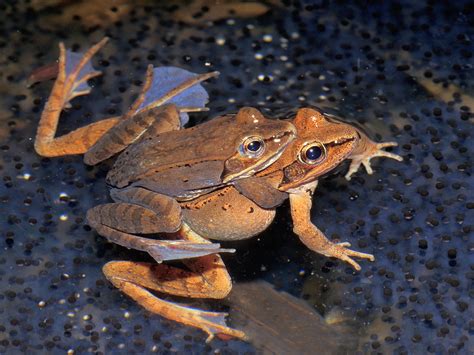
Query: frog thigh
[[131, 218], [138, 210], [116, 220], [159, 120]]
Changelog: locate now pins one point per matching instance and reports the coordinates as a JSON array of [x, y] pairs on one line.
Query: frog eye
[[252, 147], [312, 153]]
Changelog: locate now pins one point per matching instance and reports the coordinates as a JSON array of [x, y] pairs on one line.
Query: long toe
[[343, 253]]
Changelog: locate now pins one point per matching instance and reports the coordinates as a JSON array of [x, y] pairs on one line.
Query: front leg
[[312, 237], [365, 151]]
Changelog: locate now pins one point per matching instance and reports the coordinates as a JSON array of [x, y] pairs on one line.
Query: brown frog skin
[[246, 209], [153, 139], [295, 175], [232, 212], [150, 181], [268, 188], [183, 163]]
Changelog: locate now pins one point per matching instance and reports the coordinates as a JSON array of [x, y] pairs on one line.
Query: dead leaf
[[278, 323]]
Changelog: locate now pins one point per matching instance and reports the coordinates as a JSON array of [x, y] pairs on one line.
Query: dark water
[[404, 71]]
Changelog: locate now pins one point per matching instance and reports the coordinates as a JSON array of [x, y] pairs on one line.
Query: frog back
[[190, 155]]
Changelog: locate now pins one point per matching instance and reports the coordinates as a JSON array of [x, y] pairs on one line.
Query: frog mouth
[[251, 170]]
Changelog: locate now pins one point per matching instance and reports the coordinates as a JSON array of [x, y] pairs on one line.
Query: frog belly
[[226, 215]]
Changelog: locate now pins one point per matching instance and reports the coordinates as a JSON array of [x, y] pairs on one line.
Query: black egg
[[254, 146], [314, 153]]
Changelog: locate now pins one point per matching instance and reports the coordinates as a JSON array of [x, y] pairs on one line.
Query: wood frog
[[246, 208], [159, 163], [322, 143], [237, 207]]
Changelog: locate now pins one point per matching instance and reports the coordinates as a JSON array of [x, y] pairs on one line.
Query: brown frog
[[232, 212], [244, 210], [159, 162]]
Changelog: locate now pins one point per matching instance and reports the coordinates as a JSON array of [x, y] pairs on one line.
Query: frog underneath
[[235, 201], [159, 162]]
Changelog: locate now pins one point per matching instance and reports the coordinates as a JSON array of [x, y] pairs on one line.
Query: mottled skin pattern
[[227, 213], [152, 174], [141, 210], [179, 163], [289, 177]]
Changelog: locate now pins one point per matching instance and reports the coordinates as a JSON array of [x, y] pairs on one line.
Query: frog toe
[[387, 144], [382, 153], [341, 252], [77, 71], [348, 258], [344, 244], [367, 166], [351, 262], [353, 168], [379, 151]]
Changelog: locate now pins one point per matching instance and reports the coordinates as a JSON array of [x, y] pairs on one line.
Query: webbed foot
[[74, 70], [213, 323], [163, 250], [160, 250]]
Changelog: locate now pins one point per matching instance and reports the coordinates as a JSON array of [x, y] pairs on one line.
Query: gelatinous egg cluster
[[401, 70]]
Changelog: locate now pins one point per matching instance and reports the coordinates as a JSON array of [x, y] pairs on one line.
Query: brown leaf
[[278, 323]]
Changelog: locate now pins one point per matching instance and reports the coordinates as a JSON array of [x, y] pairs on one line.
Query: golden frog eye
[[252, 147], [312, 153]]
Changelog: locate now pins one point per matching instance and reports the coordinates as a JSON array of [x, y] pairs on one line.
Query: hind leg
[[207, 277], [70, 83], [157, 120], [145, 212], [74, 71]]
